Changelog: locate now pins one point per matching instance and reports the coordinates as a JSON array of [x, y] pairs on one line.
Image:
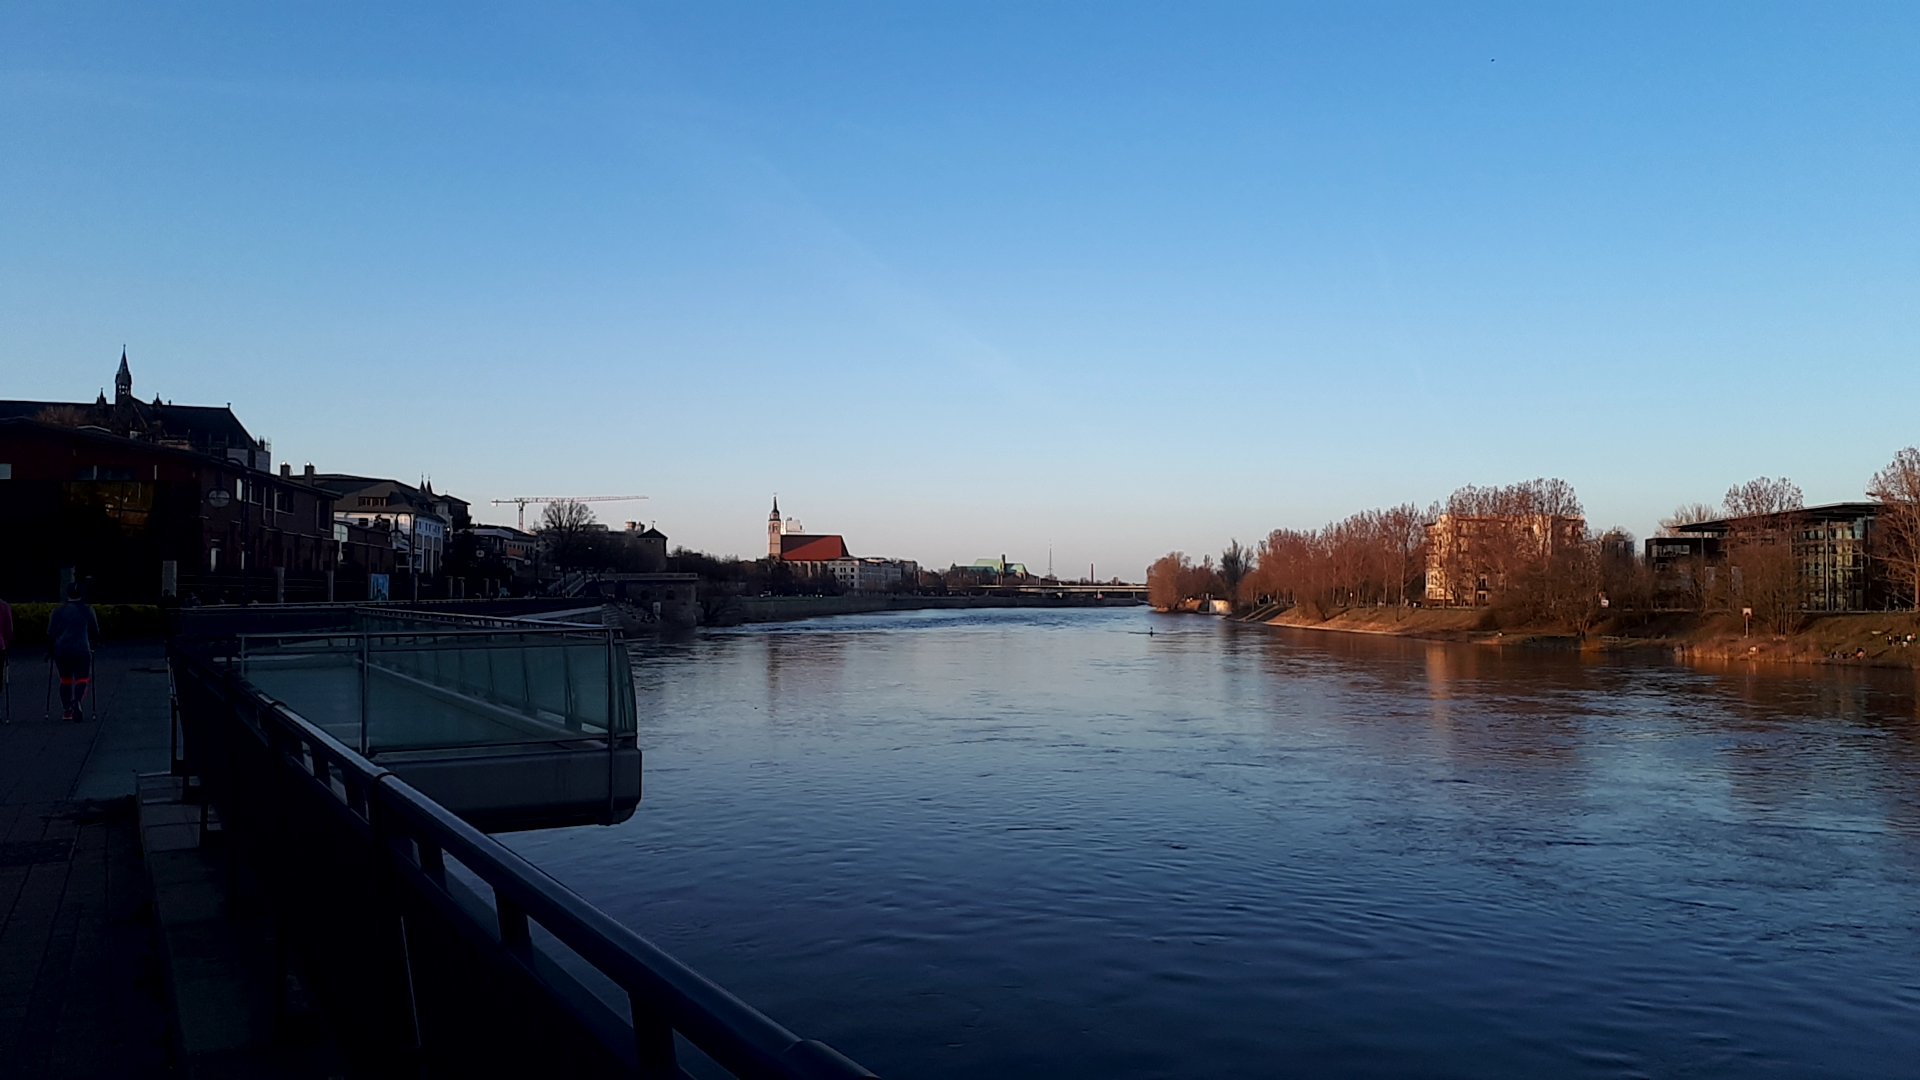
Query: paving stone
[[77, 993]]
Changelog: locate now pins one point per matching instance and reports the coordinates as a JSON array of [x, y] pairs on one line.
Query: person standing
[[73, 632]]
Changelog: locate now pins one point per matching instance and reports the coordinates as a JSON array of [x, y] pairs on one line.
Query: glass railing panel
[[507, 678], [587, 679], [318, 678], [430, 687], [546, 682], [627, 721]]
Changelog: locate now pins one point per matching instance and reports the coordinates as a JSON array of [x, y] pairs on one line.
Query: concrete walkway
[[81, 988]]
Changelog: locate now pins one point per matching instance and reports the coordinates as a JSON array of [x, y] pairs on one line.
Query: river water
[[1049, 844]]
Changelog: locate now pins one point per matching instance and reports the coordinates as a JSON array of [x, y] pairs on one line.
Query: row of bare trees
[[1897, 489], [1376, 556], [1174, 579], [1526, 548], [1523, 547]]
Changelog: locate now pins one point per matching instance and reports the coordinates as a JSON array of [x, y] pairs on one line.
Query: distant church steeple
[[123, 381], [773, 530]]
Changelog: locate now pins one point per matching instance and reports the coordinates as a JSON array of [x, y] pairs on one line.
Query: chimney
[[286, 470], [309, 472]]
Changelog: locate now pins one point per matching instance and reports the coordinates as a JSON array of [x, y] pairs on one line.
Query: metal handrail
[[321, 635], [736, 1035], [372, 644], [667, 997], [494, 621]]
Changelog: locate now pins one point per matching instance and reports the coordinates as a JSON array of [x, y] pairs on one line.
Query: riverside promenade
[[142, 934], [82, 986]]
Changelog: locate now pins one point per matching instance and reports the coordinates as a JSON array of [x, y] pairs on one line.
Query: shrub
[[118, 622]]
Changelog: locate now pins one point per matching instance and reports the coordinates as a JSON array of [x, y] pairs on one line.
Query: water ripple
[[1046, 844]]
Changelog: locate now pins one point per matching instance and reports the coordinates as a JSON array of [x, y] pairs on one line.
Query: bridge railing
[[431, 944]]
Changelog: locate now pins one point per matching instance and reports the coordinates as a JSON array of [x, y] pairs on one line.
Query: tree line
[[1525, 550]]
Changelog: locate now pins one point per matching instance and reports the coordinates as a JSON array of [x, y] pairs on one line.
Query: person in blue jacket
[[73, 632]]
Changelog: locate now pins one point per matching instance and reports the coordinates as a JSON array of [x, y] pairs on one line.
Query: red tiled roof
[[798, 547]]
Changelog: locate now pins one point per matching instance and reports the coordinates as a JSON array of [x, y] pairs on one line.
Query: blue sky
[[959, 280]]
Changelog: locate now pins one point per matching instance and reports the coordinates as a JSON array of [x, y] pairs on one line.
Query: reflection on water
[[1048, 844]]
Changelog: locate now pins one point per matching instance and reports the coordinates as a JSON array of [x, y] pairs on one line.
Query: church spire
[[122, 381]]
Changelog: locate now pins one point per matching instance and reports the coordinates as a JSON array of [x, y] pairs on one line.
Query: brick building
[[128, 515], [1470, 558]]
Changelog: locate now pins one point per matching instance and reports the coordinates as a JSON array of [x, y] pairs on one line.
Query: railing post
[[652, 1040], [366, 675], [176, 763], [570, 717], [514, 933], [390, 889], [612, 697], [433, 860]]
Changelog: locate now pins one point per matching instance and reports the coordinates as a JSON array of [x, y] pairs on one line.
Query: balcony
[[509, 723]]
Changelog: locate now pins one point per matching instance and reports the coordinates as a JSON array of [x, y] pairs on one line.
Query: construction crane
[[522, 501]]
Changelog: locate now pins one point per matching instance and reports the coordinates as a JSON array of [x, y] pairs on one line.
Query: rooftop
[[1840, 511], [799, 547]]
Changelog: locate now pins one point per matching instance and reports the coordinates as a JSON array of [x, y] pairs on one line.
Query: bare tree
[[1235, 563], [1897, 489], [1403, 529], [564, 527], [1625, 580], [1687, 514], [1166, 580], [1572, 581], [1502, 540], [1765, 522], [1203, 581], [1702, 583], [1762, 496], [63, 416]]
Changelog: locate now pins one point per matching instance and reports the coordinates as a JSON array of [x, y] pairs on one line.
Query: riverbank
[[1873, 640], [762, 609]]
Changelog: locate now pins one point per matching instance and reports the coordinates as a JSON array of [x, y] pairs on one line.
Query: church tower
[[773, 530], [123, 381]]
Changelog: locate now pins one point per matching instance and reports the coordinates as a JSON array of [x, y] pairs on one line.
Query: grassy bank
[[1447, 624], [1838, 639], [1841, 639]]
